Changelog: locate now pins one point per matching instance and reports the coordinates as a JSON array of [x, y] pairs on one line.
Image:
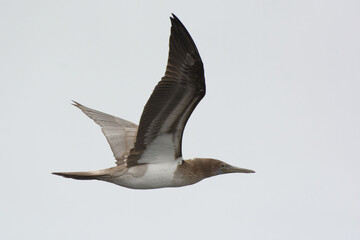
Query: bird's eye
[[222, 165]]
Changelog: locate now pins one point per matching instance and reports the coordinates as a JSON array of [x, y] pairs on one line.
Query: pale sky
[[283, 81]]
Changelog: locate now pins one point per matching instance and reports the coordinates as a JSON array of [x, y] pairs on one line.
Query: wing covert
[[175, 96], [119, 132]]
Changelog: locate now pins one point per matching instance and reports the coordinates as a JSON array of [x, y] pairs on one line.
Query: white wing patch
[[160, 150]]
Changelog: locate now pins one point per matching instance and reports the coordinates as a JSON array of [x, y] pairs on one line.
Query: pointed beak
[[232, 169]]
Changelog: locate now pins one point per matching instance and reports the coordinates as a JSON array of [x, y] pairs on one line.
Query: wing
[[119, 133], [174, 98]]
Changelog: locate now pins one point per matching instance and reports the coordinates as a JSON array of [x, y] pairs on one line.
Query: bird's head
[[212, 167], [221, 167]]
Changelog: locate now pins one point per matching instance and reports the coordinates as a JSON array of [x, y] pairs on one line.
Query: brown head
[[195, 170]]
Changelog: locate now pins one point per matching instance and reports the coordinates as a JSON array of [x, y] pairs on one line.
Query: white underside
[[156, 175], [156, 169]]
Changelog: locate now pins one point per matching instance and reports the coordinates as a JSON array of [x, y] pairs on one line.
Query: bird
[[149, 155]]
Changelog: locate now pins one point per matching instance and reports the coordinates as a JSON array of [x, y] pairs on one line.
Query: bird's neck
[[193, 171]]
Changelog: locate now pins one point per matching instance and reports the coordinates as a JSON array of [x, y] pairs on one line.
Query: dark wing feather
[[176, 95]]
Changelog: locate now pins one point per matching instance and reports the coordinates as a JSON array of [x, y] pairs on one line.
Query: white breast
[[148, 176]]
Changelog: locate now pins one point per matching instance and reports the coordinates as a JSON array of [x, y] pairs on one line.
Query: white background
[[283, 81]]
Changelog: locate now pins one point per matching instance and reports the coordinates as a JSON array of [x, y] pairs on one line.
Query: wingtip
[[174, 19], [76, 104], [173, 16]]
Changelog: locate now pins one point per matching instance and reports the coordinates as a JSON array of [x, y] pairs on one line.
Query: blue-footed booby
[[149, 155]]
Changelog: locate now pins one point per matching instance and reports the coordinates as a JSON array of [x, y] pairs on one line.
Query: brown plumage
[[153, 159]]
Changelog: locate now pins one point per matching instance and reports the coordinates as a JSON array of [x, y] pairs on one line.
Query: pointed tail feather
[[90, 175]]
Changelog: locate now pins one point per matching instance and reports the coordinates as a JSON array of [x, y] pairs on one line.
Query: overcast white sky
[[283, 81]]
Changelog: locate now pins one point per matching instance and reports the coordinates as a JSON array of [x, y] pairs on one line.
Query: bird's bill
[[232, 169]]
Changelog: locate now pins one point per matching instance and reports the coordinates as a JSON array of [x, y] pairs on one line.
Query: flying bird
[[149, 155]]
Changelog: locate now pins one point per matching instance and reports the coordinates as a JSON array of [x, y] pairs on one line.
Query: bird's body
[[146, 176], [149, 155]]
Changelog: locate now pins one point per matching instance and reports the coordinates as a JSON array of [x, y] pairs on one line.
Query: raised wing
[[119, 133], [174, 98]]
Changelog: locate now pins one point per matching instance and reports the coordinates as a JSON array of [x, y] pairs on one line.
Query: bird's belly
[[148, 176]]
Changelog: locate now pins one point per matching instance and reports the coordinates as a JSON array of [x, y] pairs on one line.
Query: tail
[[89, 175]]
